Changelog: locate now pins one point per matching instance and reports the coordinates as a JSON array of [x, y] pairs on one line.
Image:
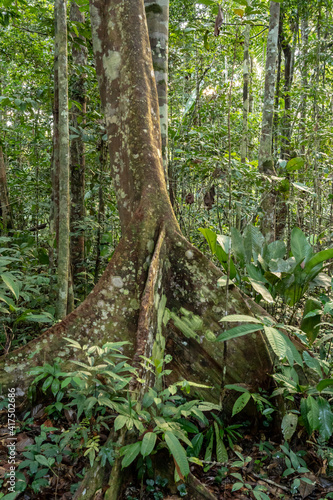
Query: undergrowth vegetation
[[87, 409]]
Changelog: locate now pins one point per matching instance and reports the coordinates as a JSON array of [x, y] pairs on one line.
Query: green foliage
[[264, 270], [24, 283], [162, 419], [164, 412], [280, 343]]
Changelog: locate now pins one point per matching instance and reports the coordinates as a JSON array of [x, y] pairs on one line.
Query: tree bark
[[77, 149], [246, 72], [5, 211], [289, 52], [265, 160], [63, 246], [157, 13]]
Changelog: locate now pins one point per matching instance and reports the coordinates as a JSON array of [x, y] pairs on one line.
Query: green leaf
[[325, 418], [276, 341], [318, 258], [7, 300], [177, 452], [90, 403], [44, 461], [211, 238], [241, 402], [11, 284], [238, 331], [300, 247], [105, 401], [312, 363], [209, 449], [237, 486], [73, 343], [225, 242], [148, 443], [288, 426], [303, 187], [275, 250], [255, 273], [253, 242], [240, 318], [262, 290], [312, 413], [55, 386], [47, 383], [130, 453], [324, 383], [311, 319], [238, 246], [294, 164], [39, 318], [221, 452], [206, 2], [196, 445], [290, 345], [236, 387]]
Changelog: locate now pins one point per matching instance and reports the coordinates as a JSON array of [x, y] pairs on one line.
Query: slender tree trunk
[[54, 213], [276, 121], [251, 86], [265, 160], [157, 12], [103, 154], [63, 247], [6, 222], [303, 110], [246, 72], [77, 149], [5, 211], [288, 50]]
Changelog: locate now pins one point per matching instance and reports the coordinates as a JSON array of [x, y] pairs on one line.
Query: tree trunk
[[265, 160], [5, 208], [63, 246], [77, 149], [289, 51], [246, 72], [5, 211], [103, 155], [157, 12], [153, 266], [54, 212]]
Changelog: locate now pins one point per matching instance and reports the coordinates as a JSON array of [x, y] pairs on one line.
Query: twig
[[30, 31], [254, 36], [269, 481]]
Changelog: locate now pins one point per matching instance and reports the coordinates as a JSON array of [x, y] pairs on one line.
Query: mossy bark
[[265, 160], [5, 211], [77, 147], [60, 8], [157, 12], [246, 73]]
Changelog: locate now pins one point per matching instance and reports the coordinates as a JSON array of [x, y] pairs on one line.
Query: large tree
[[153, 266]]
